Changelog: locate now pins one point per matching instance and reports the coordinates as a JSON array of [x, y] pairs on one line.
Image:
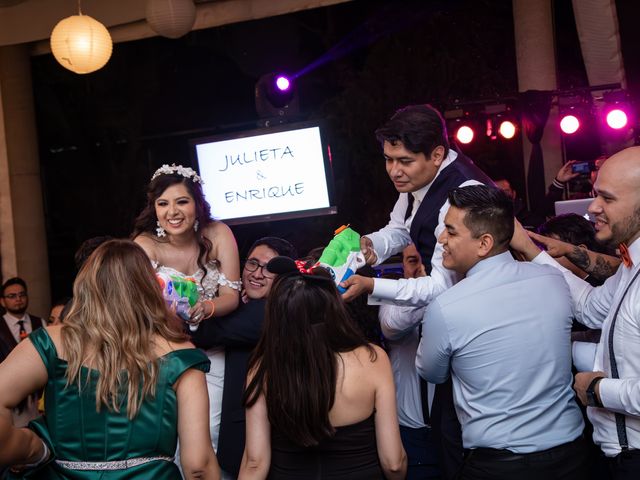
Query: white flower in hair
[[186, 172]]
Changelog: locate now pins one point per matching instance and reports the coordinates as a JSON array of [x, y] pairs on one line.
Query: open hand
[[554, 247]]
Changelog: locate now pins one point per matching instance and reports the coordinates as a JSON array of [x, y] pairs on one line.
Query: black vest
[[425, 220]]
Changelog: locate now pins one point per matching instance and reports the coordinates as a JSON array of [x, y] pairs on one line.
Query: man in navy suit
[[239, 333], [15, 326]]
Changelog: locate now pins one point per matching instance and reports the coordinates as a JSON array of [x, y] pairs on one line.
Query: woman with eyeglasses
[[320, 400], [122, 383], [177, 232]]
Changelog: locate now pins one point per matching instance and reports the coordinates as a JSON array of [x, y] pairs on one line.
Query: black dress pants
[[569, 461], [447, 433], [625, 466]]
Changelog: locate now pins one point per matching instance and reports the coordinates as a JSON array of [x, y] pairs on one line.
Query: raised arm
[[196, 453], [225, 250], [596, 264], [21, 374], [393, 458]]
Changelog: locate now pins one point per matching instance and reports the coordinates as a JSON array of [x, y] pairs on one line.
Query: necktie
[[410, 199], [625, 256], [22, 333]]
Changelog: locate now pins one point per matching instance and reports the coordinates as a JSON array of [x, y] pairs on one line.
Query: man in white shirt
[[16, 325], [612, 389], [401, 328], [423, 169]]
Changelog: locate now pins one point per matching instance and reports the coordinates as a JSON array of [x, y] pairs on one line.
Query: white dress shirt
[[392, 238], [595, 307], [14, 326]]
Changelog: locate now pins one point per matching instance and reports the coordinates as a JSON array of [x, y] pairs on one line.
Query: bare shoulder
[[222, 240], [371, 355], [180, 345], [147, 243], [217, 231]]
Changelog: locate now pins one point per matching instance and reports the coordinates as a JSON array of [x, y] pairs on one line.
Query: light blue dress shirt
[[504, 335]]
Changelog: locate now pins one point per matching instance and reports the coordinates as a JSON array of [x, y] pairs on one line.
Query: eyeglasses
[[13, 296], [252, 265]]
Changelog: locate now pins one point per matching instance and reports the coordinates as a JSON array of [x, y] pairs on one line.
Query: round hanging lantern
[[171, 18], [81, 44]]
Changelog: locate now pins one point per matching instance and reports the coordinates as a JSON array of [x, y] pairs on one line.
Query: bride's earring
[[196, 224], [160, 231]]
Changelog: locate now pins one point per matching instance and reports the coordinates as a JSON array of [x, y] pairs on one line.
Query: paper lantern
[[81, 44], [171, 18]]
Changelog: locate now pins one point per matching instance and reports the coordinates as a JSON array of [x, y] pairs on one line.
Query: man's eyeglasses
[[13, 296], [252, 265]]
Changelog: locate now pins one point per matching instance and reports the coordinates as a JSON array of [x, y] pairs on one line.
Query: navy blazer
[[239, 333], [7, 342]]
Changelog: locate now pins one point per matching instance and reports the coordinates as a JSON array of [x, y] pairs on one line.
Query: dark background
[[102, 135]]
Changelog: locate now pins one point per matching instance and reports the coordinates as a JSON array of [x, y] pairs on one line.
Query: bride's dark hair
[[146, 221]]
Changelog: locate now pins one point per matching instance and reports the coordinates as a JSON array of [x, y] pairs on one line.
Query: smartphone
[[583, 167]]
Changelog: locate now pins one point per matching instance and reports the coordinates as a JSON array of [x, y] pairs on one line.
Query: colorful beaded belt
[[112, 465]]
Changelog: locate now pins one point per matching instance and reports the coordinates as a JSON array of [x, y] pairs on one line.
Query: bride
[[177, 232]]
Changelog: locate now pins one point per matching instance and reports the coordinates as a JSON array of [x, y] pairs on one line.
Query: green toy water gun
[[342, 257]]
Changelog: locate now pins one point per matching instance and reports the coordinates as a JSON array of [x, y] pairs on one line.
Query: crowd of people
[[481, 370]]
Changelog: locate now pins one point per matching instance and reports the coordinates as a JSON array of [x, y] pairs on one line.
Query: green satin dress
[[77, 433]]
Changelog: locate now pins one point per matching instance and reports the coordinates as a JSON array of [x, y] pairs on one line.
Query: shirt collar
[[419, 194], [634, 251], [14, 320], [491, 262]]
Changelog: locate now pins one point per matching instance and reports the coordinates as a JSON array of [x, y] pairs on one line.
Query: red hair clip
[[302, 268]]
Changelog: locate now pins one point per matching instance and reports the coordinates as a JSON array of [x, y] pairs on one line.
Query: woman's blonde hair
[[117, 313]]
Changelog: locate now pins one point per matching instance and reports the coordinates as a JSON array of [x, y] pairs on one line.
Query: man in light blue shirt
[[503, 334]]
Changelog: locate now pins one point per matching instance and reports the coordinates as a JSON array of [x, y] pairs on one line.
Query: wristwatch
[[592, 398]]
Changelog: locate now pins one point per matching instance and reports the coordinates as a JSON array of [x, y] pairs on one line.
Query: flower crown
[[174, 169]]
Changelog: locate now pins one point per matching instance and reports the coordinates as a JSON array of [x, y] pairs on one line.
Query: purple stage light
[[282, 83], [617, 119], [569, 124]]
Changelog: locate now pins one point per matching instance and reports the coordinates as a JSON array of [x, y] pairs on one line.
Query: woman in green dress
[[122, 383]]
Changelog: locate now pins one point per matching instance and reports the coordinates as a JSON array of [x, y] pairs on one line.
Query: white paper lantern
[[81, 44], [171, 18]]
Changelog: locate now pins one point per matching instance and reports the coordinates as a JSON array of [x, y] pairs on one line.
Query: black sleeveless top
[[350, 454]]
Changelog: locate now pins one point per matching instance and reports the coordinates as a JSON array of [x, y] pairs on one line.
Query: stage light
[[617, 119], [465, 134], [282, 83], [507, 129], [570, 124], [276, 96]]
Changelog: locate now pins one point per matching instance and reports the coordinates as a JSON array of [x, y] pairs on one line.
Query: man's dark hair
[[279, 245], [86, 249], [13, 281], [420, 128], [487, 210], [571, 228]]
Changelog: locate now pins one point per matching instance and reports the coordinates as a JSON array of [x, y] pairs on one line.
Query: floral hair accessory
[[174, 169]]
